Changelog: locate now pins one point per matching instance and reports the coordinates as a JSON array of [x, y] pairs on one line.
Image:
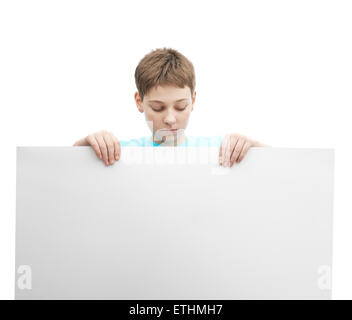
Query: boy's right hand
[[105, 145]]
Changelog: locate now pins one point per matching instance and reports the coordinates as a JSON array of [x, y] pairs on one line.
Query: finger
[[226, 150], [103, 148], [111, 148], [220, 152], [237, 150], [244, 151], [223, 148], [233, 141], [117, 148], [93, 142]]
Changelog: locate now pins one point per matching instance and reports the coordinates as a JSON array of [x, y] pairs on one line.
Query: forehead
[[168, 94]]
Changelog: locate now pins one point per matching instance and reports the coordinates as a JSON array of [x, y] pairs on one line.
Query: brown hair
[[164, 66]]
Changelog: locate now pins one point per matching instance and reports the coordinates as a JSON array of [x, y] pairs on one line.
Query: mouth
[[169, 132]]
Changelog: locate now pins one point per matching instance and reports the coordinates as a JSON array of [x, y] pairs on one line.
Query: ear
[[138, 100], [193, 99]]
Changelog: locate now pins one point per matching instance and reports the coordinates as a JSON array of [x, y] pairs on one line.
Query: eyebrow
[[163, 101]]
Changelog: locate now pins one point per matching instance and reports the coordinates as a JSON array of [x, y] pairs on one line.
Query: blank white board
[[170, 223]]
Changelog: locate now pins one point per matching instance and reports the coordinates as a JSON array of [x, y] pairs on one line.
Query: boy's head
[[165, 81]]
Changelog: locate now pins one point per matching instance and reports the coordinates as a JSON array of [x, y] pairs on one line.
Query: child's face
[[166, 108]]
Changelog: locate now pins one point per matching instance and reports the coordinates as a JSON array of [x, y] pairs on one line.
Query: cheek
[[154, 118], [151, 116], [184, 116]]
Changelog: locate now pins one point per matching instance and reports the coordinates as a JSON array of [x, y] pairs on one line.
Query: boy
[[165, 81]]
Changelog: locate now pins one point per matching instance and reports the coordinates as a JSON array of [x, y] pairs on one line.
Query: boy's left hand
[[234, 147]]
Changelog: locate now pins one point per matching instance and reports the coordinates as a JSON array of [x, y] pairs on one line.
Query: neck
[[172, 140]]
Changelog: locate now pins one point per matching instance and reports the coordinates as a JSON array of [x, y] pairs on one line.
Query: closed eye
[[158, 110], [161, 109], [181, 109]]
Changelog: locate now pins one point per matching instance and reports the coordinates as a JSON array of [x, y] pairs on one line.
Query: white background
[[276, 71]]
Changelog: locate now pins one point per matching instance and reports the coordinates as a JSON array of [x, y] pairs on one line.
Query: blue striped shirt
[[191, 141]]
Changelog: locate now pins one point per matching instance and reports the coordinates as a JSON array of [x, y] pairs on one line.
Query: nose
[[170, 119]]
